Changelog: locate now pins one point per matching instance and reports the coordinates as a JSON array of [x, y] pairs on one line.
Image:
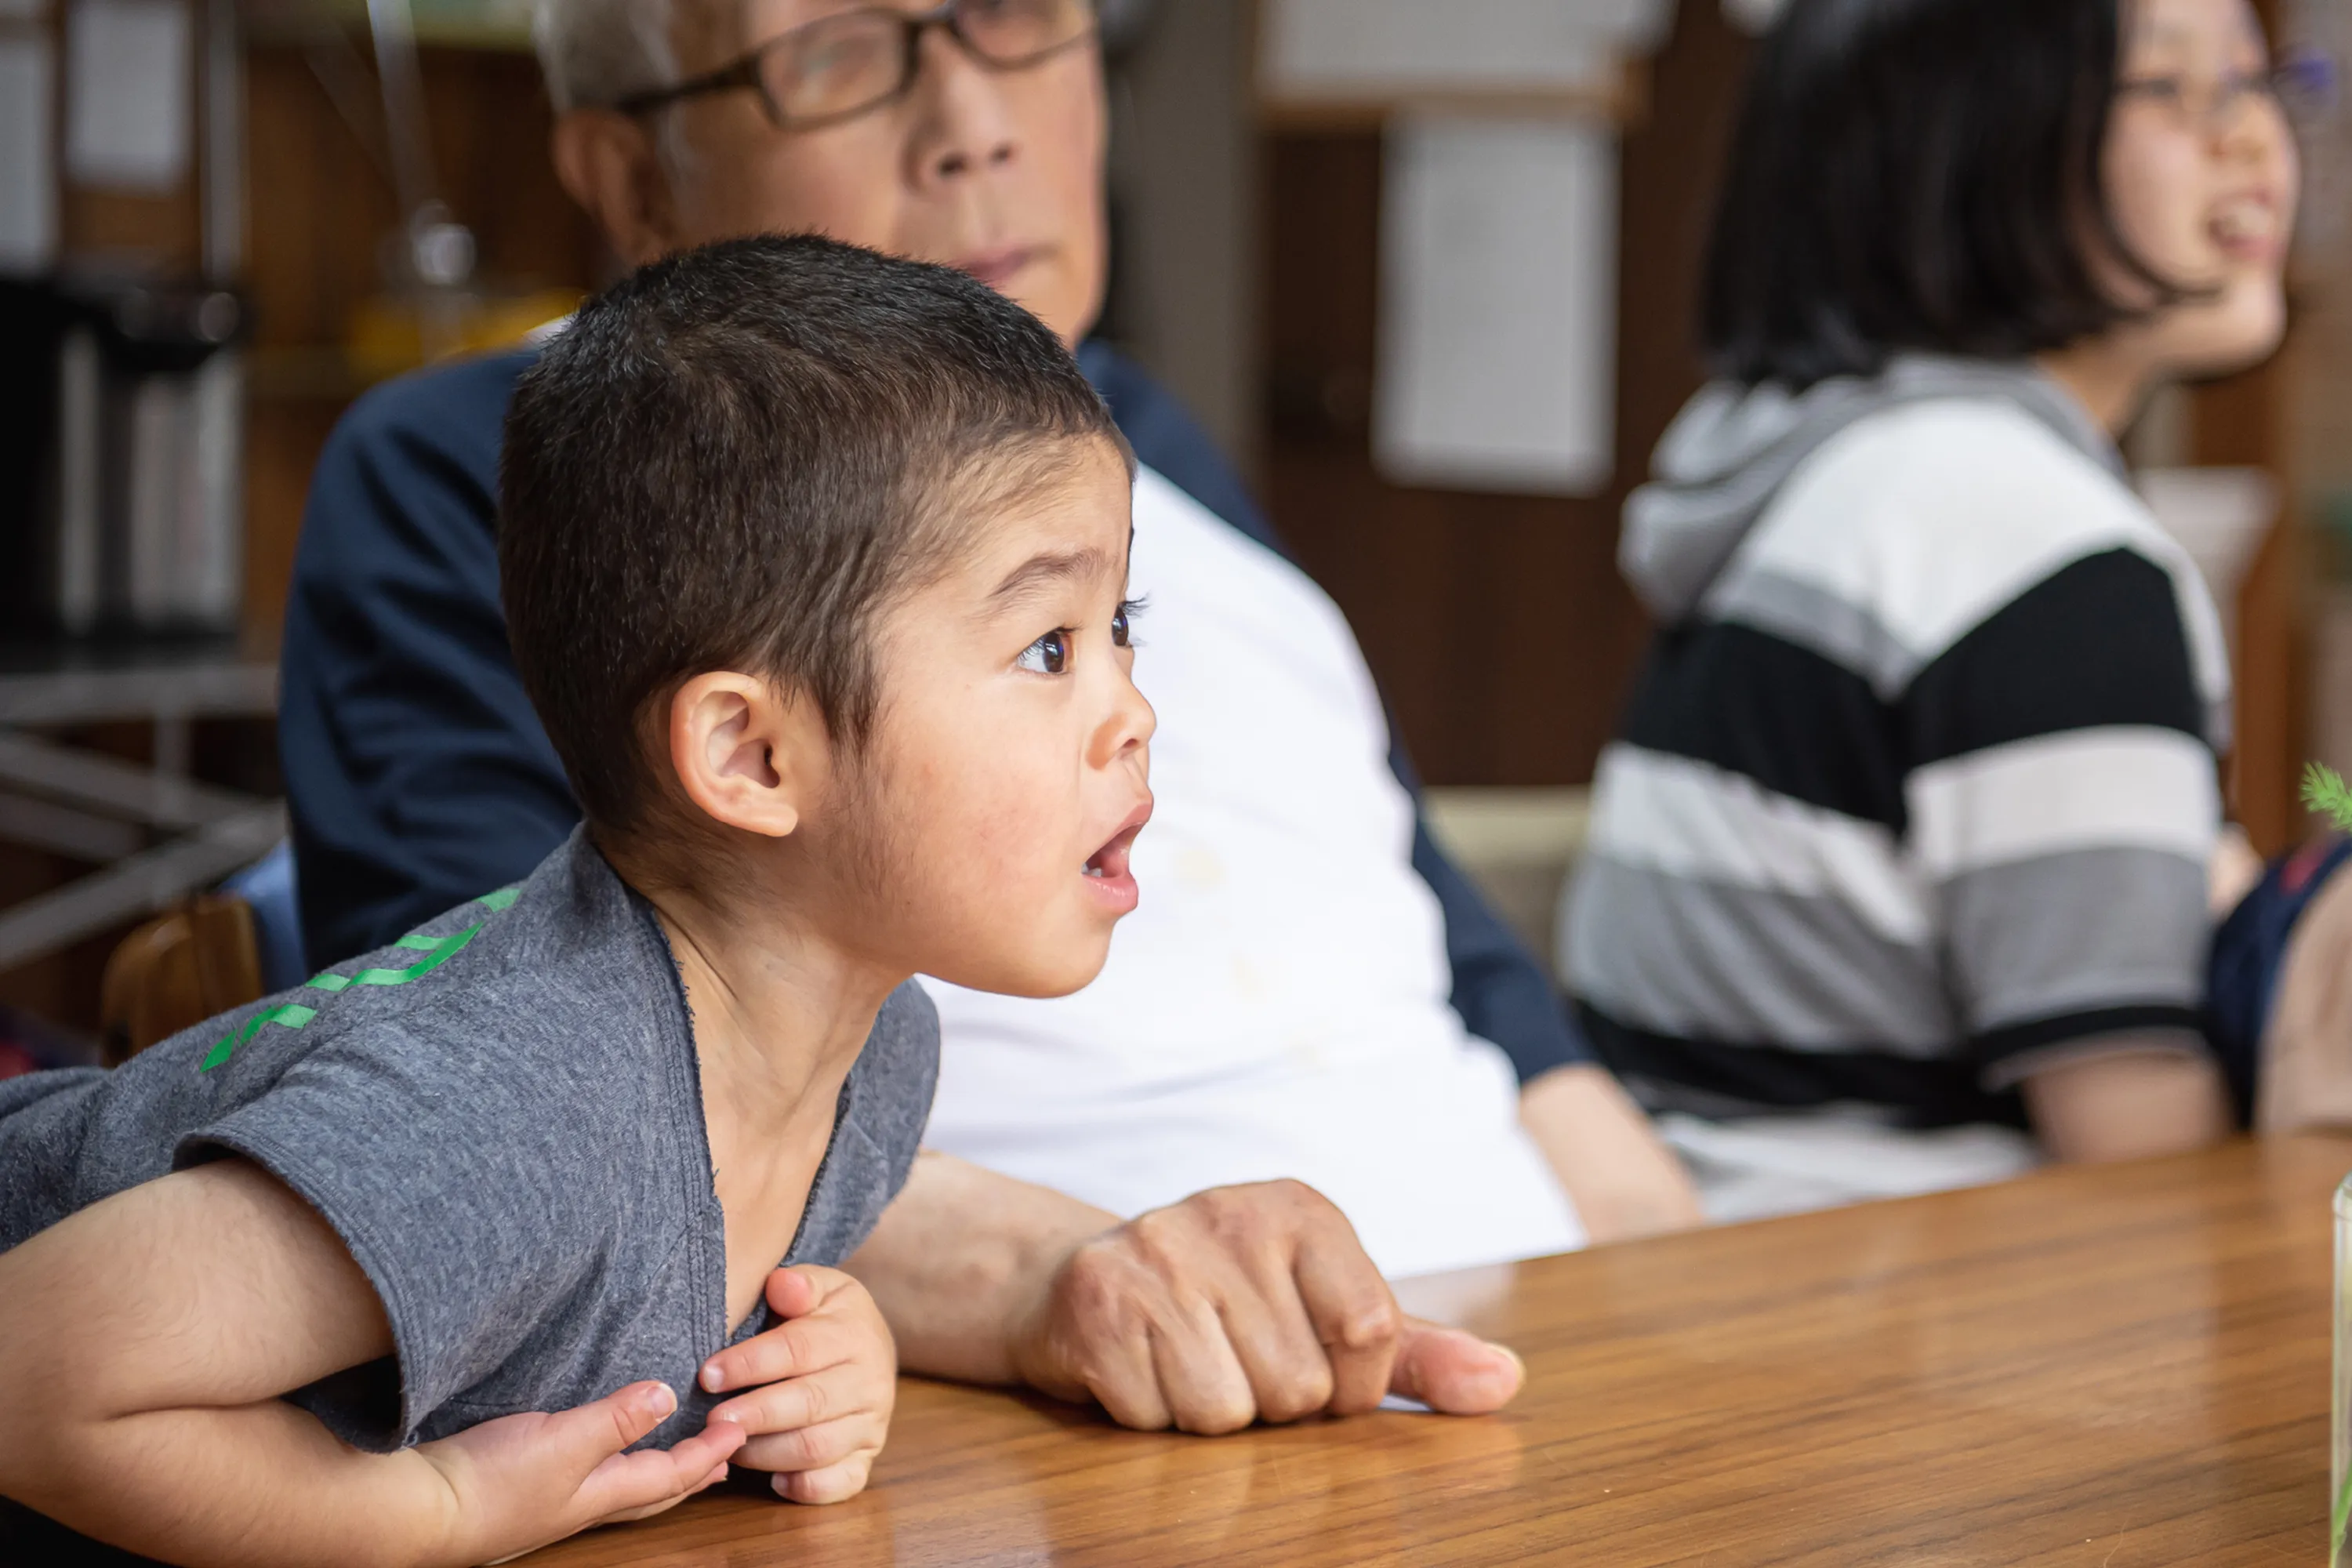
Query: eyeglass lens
[[839, 64]]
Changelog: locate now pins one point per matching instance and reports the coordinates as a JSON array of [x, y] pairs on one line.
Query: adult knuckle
[[1093, 1286], [1367, 1325], [1216, 1416], [1160, 1238], [1234, 1216], [1297, 1391], [1295, 1195], [1093, 1332], [1132, 1412]]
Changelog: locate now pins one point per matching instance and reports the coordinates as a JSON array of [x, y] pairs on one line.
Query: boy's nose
[[1129, 726]]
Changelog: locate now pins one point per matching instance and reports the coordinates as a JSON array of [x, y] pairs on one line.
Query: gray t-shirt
[[501, 1116]]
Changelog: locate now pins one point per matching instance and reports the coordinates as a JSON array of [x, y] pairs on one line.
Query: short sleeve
[[459, 1191], [2063, 804]]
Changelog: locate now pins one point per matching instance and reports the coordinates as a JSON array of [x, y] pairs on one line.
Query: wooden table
[[2113, 1368]]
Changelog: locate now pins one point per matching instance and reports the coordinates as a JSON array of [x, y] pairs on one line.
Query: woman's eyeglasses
[[842, 66], [2304, 84]]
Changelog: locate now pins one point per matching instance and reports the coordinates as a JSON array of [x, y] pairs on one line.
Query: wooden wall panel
[[1498, 624], [2240, 423], [321, 208]]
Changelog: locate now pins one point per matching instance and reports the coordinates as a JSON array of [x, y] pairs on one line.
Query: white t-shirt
[[1277, 1006]]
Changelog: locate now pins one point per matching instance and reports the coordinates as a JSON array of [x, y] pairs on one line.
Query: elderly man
[[1311, 991]]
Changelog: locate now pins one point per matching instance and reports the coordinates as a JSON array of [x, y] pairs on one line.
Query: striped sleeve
[[2063, 804]]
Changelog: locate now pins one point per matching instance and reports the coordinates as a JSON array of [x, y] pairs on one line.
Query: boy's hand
[[521, 1482], [832, 1377]]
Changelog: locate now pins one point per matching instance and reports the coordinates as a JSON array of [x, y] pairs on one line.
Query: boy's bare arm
[[149, 1340]]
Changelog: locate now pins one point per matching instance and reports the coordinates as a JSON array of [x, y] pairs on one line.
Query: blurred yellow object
[[450, 24], [392, 334]]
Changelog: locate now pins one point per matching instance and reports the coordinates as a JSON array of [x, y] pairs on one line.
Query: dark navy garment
[[418, 774], [2249, 954]]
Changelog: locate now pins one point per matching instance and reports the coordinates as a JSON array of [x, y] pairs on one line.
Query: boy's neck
[[779, 1012]]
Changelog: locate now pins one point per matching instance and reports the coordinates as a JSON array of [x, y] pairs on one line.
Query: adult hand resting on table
[[1238, 1304]]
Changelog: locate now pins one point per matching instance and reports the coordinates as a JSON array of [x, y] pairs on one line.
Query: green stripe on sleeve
[[293, 1014], [438, 951]]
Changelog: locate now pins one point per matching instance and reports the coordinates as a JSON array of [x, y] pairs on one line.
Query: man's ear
[[746, 754], [607, 162]]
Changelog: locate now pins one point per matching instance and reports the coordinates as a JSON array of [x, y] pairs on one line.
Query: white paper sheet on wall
[[1497, 354], [29, 187], [1356, 48], [129, 121]]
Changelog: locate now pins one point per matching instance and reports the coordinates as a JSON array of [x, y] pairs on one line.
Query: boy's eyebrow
[[1051, 566]]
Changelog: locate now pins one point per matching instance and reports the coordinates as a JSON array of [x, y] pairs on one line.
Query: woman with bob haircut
[[1897, 872]]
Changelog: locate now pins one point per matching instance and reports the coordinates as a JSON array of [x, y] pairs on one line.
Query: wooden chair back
[[188, 963]]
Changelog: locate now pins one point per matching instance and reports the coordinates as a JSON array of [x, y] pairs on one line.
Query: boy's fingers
[[589, 1434], [652, 1477], [717, 1475], [852, 1388], [794, 1291], [834, 1483], [812, 1448], [789, 1350]]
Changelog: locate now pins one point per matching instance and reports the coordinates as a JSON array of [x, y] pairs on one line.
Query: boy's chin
[[1073, 967]]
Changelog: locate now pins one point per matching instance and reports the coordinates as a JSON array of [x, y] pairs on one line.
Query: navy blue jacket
[[418, 774]]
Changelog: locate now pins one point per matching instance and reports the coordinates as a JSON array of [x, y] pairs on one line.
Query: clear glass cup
[[2340, 1468]]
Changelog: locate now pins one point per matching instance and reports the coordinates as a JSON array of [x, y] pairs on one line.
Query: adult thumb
[[1454, 1372]]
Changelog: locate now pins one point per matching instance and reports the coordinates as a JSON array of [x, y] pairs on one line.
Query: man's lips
[[996, 268]]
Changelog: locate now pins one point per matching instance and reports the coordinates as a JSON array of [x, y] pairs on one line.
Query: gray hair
[[595, 53]]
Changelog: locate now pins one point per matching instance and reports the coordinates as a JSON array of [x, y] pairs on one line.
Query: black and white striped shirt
[[1917, 794]]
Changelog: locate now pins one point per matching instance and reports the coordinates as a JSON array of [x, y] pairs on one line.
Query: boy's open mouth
[[1110, 860], [1109, 863]]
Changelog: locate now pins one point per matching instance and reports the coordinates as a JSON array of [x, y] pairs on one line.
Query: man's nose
[[962, 122]]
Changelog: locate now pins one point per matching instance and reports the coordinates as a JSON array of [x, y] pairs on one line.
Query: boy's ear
[[746, 754]]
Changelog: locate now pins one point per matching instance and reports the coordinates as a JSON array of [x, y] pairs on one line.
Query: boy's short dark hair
[[733, 459], [1918, 175]]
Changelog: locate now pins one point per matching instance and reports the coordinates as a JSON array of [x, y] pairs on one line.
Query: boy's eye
[[1119, 631], [1049, 655]]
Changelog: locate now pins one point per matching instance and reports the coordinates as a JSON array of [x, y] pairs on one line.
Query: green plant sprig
[[2325, 792]]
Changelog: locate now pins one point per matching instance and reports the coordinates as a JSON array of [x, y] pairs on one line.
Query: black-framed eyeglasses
[[839, 67]]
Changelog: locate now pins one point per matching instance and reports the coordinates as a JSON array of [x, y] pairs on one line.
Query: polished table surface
[[2111, 1367]]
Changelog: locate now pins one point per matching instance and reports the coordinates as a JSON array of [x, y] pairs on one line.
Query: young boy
[[813, 564]]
